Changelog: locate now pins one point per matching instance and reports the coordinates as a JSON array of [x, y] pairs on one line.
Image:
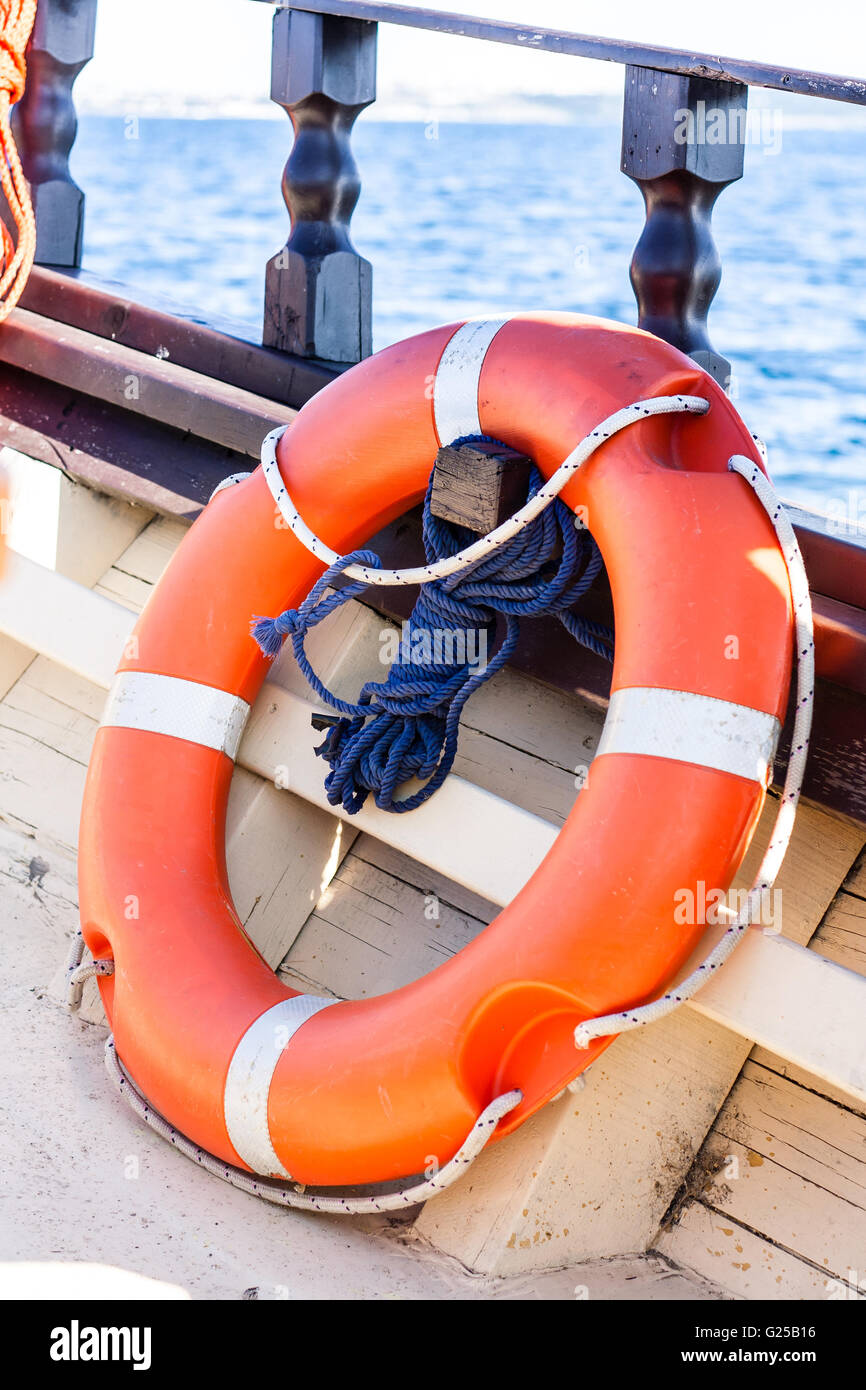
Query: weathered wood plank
[[773, 1117], [800, 1171], [782, 1066], [150, 386], [719, 1248], [109, 450], [789, 1165], [109, 312], [372, 932], [856, 880], [381, 855], [281, 855], [842, 935]]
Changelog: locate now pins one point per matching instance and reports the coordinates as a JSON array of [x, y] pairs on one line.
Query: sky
[[215, 54]]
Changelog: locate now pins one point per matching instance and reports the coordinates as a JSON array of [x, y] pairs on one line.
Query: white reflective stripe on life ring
[[249, 1078], [182, 709], [455, 390], [691, 728]]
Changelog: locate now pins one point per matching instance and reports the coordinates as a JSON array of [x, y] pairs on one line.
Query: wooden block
[[478, 485]]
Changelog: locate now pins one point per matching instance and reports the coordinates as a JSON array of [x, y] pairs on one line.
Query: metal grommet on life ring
[[365, 1091]]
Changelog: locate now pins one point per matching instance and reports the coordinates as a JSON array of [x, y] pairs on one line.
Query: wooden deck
[[686, 1141]]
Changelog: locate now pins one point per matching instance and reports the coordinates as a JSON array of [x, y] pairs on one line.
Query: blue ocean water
[[472, 219]]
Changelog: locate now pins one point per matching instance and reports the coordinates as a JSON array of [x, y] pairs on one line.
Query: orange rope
[[16, 23]]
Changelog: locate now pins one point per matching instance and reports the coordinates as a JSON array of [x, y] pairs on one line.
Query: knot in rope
[[407, 725]]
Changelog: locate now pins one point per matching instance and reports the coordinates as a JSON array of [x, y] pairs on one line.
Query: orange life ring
[[368, 1090]]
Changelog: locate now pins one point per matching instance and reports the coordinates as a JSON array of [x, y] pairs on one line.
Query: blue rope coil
[[407, 725]]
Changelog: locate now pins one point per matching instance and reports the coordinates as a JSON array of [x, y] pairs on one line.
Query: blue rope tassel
[[406, 726]]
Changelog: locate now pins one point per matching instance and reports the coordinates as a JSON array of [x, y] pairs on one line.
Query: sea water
[[467, 219]]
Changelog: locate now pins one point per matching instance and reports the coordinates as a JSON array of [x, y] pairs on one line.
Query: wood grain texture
[[746, 1265], [789, 1166], [478, 485], [109, 311], [375, 928]]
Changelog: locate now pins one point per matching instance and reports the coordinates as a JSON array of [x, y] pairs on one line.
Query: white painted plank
[[63, 526], [795, 1003], [62, 620]]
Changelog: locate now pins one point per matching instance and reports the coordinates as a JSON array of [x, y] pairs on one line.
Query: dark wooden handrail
[[681, 61]]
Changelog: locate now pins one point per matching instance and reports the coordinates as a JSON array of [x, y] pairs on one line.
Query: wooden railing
[[318, 289]]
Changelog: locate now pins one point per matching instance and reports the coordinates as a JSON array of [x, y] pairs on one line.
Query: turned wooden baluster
[[318, 290], [44, 125], [683, 141]]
